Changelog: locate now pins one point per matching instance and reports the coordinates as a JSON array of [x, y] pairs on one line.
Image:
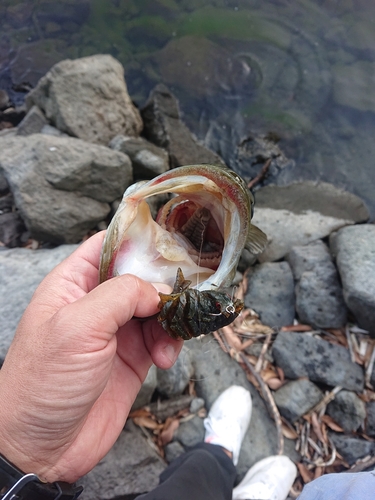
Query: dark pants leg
[[203, 473]]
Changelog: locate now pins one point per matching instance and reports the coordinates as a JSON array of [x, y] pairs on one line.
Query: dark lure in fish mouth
[[200, 232], [186, 313]]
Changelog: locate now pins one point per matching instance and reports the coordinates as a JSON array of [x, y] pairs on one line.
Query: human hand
[[75, 366]]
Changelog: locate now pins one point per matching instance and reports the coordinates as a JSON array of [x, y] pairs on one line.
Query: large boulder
[[62, 186], [87, 98], [21, 271], [354, 248], [303, 212]]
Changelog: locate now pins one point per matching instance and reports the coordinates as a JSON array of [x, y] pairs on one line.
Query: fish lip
[[230, 186]]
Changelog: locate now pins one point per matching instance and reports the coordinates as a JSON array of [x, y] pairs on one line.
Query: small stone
[[352, 448], [147, 389], [49, 130], [301, 355], [196, 405], [147, 159], [191, 432], [4, 187], [173, 450], [270, 293], [370, 420], [296, 398], [173, 382], [33, 122], [348, 410]]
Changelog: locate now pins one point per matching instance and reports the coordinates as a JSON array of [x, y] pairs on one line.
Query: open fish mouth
[[201, 230]]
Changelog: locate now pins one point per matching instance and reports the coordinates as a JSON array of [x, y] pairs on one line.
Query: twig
[[268, 398], [265, 346], [261, 174], [350, 343], [370, 368], [362, 465], [266, 395], [330, 396]]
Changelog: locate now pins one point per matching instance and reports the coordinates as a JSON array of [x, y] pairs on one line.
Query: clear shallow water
[[303, 70]]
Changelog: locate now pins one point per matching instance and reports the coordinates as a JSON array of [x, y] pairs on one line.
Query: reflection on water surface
[[301, 69]]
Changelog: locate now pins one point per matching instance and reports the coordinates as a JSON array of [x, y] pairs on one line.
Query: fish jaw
[[136, 244]]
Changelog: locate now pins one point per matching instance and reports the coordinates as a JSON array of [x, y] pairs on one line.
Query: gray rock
[[301, 355], [4, 99], [191, 432], [370, 420], [87, 98], [11, 229], [62, 186], [4, 188], [303, 212], [215, 371], [50, 130], [173, 382], [173, 450], [148, 160], [21, 271], [296, 398], [163, 127], [196, 405], [33, 122], [348, 410], [147, 390], [131, 466], [354, 248], [319, 298], [270, 293], [352, 448]]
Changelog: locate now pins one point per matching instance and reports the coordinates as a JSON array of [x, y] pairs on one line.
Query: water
[[299, 69]]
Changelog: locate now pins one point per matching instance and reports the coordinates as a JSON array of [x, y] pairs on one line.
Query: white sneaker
[[228, 420], [268, 479]]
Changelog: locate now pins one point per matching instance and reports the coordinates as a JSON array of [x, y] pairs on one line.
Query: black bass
[[202, 230]]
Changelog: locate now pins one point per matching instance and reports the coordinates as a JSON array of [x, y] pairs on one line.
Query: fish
[[201, 230]]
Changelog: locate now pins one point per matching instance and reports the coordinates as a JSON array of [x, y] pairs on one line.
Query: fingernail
[[171, 353]]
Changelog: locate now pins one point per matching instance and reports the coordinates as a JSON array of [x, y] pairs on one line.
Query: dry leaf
[[167, 433], [331, 423], [231, 337], [296, 328], [142, 412], [288, 432], [274, 383], [318, 472], [147, 422], [280, 373], [307, 475], [316, 426], [268, 373]]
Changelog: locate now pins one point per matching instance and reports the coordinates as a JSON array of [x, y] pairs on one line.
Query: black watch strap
[[14, 484]]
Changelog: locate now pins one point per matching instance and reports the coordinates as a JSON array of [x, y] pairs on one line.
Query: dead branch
[[261, 174]]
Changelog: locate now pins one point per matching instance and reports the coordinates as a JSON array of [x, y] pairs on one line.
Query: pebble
[[352, 448], [296, 398], [191, 432], [370, 420], [348, 410]]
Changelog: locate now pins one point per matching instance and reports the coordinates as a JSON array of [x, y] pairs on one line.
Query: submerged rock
[[88, 99], [163, 127], [354, 248]]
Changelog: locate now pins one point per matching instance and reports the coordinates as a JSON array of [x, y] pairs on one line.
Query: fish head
[[202, 229]]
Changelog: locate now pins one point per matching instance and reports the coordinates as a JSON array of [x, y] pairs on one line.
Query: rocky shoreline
[[62, 172]]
